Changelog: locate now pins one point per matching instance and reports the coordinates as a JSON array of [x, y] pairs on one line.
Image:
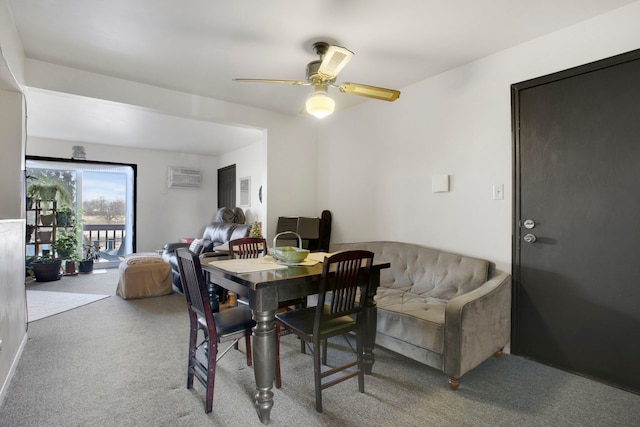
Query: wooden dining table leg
[[264, 362]]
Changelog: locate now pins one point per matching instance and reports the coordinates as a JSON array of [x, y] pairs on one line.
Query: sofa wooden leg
[[454, 383], [498, 354]]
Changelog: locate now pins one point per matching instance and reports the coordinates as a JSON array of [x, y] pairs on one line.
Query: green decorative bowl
[[289, 254]]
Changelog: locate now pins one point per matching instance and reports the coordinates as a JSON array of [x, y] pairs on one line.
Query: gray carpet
[[117, 362], [41, 304]]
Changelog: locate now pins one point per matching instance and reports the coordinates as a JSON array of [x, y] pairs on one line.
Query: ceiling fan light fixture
[[320, 105]]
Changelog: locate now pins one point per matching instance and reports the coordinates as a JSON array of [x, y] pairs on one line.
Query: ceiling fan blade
[[334, 60], [289, 82], [370, 91]]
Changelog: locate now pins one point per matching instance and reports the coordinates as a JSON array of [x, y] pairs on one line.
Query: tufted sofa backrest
[[424, 271]]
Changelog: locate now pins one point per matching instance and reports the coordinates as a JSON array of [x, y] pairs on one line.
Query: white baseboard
[[16, 359]]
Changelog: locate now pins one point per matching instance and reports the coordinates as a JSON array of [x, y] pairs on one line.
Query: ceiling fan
[[322, 73]]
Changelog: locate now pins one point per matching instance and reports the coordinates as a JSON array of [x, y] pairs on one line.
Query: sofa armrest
[[171, 247], [477, 324]]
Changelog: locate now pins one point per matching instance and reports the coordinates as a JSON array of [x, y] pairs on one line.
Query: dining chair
[[247, 247], [339, 311], [230, 324]]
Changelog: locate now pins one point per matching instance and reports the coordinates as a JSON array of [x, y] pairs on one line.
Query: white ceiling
[[198, 46], [74, 118]]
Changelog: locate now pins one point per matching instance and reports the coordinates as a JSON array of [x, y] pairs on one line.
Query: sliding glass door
[[103, 197]]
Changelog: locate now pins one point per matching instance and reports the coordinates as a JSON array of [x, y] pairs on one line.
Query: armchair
[[215, 234]]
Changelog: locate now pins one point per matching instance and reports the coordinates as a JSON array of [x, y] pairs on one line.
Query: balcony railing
[[108, 237]]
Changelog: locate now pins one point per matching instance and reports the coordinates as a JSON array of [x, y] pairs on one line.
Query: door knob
[[529, 224], [530, 238]]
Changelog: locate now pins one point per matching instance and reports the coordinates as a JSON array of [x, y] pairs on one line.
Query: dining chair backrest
[[247, 247], [194, 287], [343, 274]]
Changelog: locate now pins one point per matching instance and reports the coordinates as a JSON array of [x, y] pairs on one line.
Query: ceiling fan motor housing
[[314, 77]]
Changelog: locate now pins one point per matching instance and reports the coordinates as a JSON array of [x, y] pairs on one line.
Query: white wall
[[11, 51], [11, 114], [291, 164], [250, 162], [13, 312], [11, 161], [376, 161], [164, 214], [13, 321]]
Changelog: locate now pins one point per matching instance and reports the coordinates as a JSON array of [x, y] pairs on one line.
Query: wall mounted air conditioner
[[184, 177]]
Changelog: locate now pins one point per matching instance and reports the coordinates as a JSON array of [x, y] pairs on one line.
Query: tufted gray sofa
[[447, 311]]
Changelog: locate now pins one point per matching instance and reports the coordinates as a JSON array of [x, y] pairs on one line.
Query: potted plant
[[46, 188], [28, 270], [65, 217], [89, 255], [29, 232], [46, 268], [66, 246], [256, 229], [44, 236]]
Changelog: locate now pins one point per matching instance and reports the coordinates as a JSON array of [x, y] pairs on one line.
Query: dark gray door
[[577, 286], [227, 187]]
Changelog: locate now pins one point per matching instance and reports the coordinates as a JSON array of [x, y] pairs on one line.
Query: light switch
[[440, 183], [498, 192]]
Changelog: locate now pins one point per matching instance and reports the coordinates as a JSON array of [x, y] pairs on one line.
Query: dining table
[[265, 283]]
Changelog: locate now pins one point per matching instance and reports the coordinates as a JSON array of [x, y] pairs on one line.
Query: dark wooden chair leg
[[454, 383], [317, 372], [211, 378], [193, 336]]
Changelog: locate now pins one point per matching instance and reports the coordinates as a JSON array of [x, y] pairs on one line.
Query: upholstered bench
[[144, 275]]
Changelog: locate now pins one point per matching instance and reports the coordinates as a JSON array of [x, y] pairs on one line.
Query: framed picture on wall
[[245, 191]]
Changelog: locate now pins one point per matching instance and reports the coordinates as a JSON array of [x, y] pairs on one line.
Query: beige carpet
[[41, 304]]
